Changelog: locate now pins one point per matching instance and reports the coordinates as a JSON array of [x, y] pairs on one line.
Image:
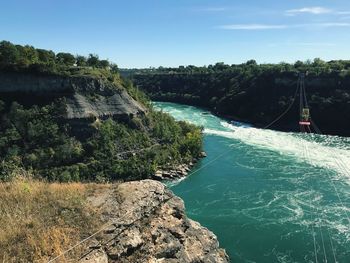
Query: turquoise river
[[269, 196]]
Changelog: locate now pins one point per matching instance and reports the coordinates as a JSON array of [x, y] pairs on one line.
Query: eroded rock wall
[[85, 96]]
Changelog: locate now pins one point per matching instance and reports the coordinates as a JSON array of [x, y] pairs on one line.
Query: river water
[[269, 196]]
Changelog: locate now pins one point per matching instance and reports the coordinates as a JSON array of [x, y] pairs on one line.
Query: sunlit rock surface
[[148, 224]]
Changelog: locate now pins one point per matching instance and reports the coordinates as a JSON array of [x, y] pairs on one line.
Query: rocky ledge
[[146, 222], [172, 172]]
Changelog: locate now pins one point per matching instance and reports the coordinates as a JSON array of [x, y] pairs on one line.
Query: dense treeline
[[38, 138], [256, 93], [316, 66], [28, 58]]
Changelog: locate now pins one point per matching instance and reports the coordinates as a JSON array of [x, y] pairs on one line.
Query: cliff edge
[[146, 222], [85, 96]]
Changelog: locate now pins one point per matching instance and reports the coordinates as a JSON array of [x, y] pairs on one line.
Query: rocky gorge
[[254, 94], [141, 221]]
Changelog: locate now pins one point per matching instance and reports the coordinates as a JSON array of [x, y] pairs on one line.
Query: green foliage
[[66, 59], [114, 68], [104, 63], [27, 55], [81, 61], [8, 53], [9, 168], [46, 56], [93, 60], [35, 139], [136, 93], [27, 58]]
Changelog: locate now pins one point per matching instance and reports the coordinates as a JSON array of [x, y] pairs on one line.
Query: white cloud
[[251, 27], [281, 26], [316, 10]]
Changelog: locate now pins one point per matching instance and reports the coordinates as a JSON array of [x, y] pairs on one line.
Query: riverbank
[[175, 172], [233, 118]]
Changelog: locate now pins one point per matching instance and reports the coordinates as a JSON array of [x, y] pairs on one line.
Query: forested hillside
[[256, 93], [38, 134]]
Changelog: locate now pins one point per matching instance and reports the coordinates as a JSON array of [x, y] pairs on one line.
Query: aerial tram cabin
[[305, 121], [305, 117]]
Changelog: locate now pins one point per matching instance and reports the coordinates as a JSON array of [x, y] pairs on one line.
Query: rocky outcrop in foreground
[[148, 224]]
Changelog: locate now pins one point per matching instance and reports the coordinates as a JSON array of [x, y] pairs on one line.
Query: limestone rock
[[203, 154], [118, 104], [86, 97], [149, 225], [168, 173], [96, 256]]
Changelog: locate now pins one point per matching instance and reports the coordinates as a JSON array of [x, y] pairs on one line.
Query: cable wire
[[310, 204], [286, 111]]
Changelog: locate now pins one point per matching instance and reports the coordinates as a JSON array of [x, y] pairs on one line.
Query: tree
[[66, 59], [336, 65], [251, 62], [8, 53], [298, 64], [114, 68], [31, 54], [220, 66], [93, 60], [318, 62], [28, 55], [46, 56], [81, 61], [104, 63]]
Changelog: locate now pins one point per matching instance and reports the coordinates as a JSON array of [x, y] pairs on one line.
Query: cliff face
[[148, 224], [118, 104], [257, 98], [85, 96]]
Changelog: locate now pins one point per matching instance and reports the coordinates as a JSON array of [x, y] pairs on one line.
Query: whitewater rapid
[[331, 152], [317, 150], [273, 196]]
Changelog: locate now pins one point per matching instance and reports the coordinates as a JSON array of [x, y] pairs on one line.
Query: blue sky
[[147, 33]]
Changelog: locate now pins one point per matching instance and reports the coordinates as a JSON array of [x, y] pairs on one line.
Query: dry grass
[[39, 220]]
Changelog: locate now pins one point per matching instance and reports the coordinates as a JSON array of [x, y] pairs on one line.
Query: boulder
[[203, 154]]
